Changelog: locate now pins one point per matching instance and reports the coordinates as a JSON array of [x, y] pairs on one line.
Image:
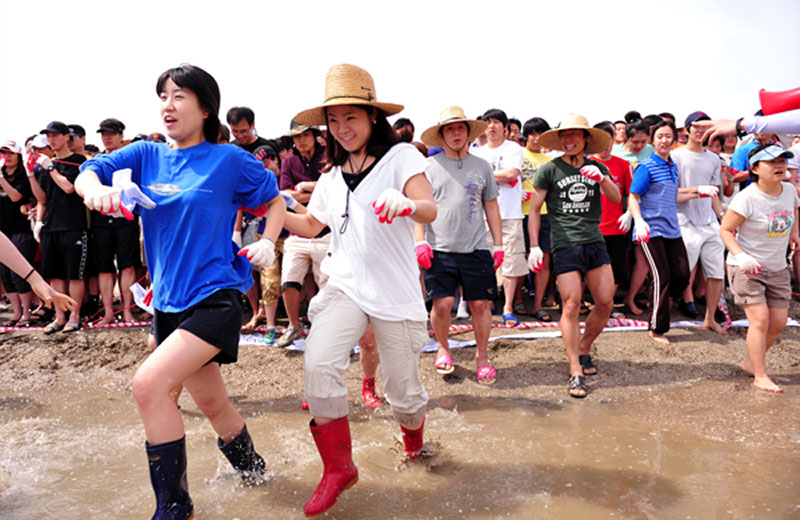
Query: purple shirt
[[296, 169]]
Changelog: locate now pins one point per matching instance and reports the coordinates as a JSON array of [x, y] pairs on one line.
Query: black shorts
[[474, 272], [216, 320], [25, 244], [544, 233], [121, 243], [617, 249], [64, 254], [580, 257]]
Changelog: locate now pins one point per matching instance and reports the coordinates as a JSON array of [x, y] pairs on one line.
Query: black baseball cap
[[77, 130], [56, 127], [111, 125]]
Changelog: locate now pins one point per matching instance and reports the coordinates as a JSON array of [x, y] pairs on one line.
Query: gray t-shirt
[[696, 169], [459, 194], [765, 232]]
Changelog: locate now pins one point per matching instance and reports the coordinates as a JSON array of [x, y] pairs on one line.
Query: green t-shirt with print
[[573, 203]]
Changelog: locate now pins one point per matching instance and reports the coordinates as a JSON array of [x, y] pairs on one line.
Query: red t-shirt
[[621, 174]]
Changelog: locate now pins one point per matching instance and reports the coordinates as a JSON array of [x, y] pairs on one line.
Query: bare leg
[[126, 278], [440, 321], [76, 290], [638, 277], [569, 285], [510, 284], [16, 305], [368, 354], [25, 300], [765, 324], [688, 294], [60, 286], [713, 291], [481, 322], [106, 283], [601, 284], [208, 391], [540, 281], [291, 300]]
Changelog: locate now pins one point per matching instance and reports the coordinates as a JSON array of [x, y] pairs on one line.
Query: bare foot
[[635, 310], [659, 338], [252, 324], [766, 384], [746, 367], [105, 321], [127, 316], [713, 326]]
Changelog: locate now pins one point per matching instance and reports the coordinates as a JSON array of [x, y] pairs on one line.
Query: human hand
[[535, 259], [747, 263], [50, 296], [592, 172], [390, 204], [261, 252], [497, 257], [129, 191], [106, 200], [526, 195], [624, 221], [715, 128], [707, 191], [424, 254], [641, 230]]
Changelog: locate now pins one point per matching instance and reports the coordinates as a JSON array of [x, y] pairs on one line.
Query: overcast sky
[[80, 62]]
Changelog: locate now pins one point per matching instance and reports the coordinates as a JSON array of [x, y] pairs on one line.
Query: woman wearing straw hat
[[571, 186], [453, 249], [374, 183]]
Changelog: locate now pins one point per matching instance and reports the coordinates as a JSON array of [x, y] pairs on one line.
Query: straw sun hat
[[346, 84], [452, 114], [598, 143]]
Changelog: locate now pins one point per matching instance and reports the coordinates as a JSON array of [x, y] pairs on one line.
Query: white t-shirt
[[764, 234], [696, 169], [374, 264], [507, 155]]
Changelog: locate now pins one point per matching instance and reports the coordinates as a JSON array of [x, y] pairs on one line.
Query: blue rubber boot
[[243, 457], [168, 477]]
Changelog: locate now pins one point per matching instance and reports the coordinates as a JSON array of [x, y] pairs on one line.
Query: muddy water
[[76, 452]]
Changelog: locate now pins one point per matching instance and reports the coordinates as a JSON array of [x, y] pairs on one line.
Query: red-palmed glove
[[106, 200], [526, 195], [260, 252], [641, 230], [513, 182], [535, 259], [592, 172], [707, 191], [148, 297], [624, 222], [424, 254], [747, 263], [497, 257], [391, 204]]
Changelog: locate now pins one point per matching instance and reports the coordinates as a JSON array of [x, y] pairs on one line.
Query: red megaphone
[[775, 102]]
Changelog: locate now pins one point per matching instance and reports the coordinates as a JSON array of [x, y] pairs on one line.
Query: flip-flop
[[589, 369], [444, 361], [487, 375], [71, 326], [519, 308], [577, 384], [24, 323], [10, 323], [510, 317], [542, 315], [52, 328]]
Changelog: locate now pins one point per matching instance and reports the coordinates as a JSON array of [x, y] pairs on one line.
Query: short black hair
[[495, 113], [236, 114], [206, 89], [635, 127], [224, 134], [534, 125], [631, 116], [652, 119], [91, 148], [667, 115], [516, 122], [618, 121], [403, 121], [606, 127]]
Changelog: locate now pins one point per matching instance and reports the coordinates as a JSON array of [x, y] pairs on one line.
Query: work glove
[[590, 171], [513, 182], [707, 191], [261, 252], [642, 230], [624, 221], [535, 259], [129, 192], [290, 201], [526, 195], [424, 254], [497, 257], [390, 204], [106, 200], [747, 263]]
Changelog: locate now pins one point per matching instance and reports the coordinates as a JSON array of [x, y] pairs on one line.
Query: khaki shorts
[[337, 323], [705, 244], [514, 262], [300, 254], [271, 276], [774, 288]]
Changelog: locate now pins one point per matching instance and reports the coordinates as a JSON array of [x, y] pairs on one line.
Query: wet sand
[[691, 391]]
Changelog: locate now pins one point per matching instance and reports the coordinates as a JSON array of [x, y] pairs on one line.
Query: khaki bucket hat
[[597, 144], [452, 114], [346, 84]]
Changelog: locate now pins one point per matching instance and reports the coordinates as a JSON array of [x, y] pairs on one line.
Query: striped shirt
[[656, 182]]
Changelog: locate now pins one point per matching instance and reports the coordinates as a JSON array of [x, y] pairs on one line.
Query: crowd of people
[[481, 216]]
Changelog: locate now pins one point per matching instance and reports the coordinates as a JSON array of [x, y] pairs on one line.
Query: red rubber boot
[[339, 472], [371, 398], [412, 441]]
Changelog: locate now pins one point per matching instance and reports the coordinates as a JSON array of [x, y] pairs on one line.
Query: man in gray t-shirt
[[456, 252]]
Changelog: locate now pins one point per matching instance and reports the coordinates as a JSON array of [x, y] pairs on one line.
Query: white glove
[[391, 203], [291, 202], [707, 191], [237, 238], [45, 162], [130, 193], [261, 252], [747, 263], [590, 171], [535, 259], [2, 161], [104, 199], [624, 222], [642, 230], [37, 230]]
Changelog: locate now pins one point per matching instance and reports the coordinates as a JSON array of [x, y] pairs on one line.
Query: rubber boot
[[168, 477], [412, 441], [243, 457], [775, 102], [338, 470], [371, 398]]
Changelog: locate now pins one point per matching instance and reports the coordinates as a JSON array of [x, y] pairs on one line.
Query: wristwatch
[[740, 132]]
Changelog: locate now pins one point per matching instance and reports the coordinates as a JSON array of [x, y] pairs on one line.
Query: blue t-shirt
[[741, 162], [656, 182], [187, 236]]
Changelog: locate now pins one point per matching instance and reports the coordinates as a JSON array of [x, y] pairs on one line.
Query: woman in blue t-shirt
[[191, 192], [653, 205]]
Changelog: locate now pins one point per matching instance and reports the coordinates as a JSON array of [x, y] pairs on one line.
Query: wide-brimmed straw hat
[[452, 114], [346, 84], [597, 144]]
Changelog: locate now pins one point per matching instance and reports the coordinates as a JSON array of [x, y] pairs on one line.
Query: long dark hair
[[380, 140], [204, 87], [19, 170]]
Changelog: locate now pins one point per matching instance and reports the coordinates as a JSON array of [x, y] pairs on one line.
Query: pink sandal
[[487, 375], [444, 364]]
